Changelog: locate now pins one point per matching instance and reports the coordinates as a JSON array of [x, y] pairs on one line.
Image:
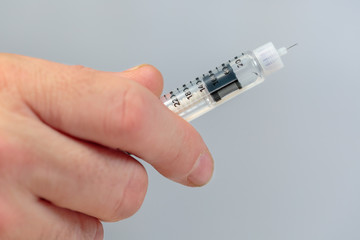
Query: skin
[[64, 131]]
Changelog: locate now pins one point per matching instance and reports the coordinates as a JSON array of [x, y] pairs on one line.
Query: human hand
[[59, 124]]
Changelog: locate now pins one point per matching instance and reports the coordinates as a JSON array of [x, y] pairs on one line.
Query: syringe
[[243, 72]]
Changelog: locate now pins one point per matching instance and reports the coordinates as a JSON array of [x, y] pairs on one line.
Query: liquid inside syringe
[[204, 93]]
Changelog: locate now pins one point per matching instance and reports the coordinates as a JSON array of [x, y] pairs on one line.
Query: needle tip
[[292, 46]]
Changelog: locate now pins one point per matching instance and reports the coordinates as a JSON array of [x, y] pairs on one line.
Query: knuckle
[[87, 72], [83, 76], [79, 80], [131, 111], [127, 115], [131, 197]]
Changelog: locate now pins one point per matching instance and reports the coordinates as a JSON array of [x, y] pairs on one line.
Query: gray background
[[287, 152]]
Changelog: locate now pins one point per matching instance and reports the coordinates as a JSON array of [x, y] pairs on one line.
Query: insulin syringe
[[239, 74]]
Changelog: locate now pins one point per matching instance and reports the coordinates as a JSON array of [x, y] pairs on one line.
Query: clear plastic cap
[[269, 57]]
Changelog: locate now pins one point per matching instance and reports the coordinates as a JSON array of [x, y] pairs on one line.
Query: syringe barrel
[[243, 72], [189, 101]]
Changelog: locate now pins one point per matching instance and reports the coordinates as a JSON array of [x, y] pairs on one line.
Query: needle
[[292, 46]]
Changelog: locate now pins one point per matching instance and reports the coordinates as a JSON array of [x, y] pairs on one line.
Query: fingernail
[[137, 67], [202, 170]]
